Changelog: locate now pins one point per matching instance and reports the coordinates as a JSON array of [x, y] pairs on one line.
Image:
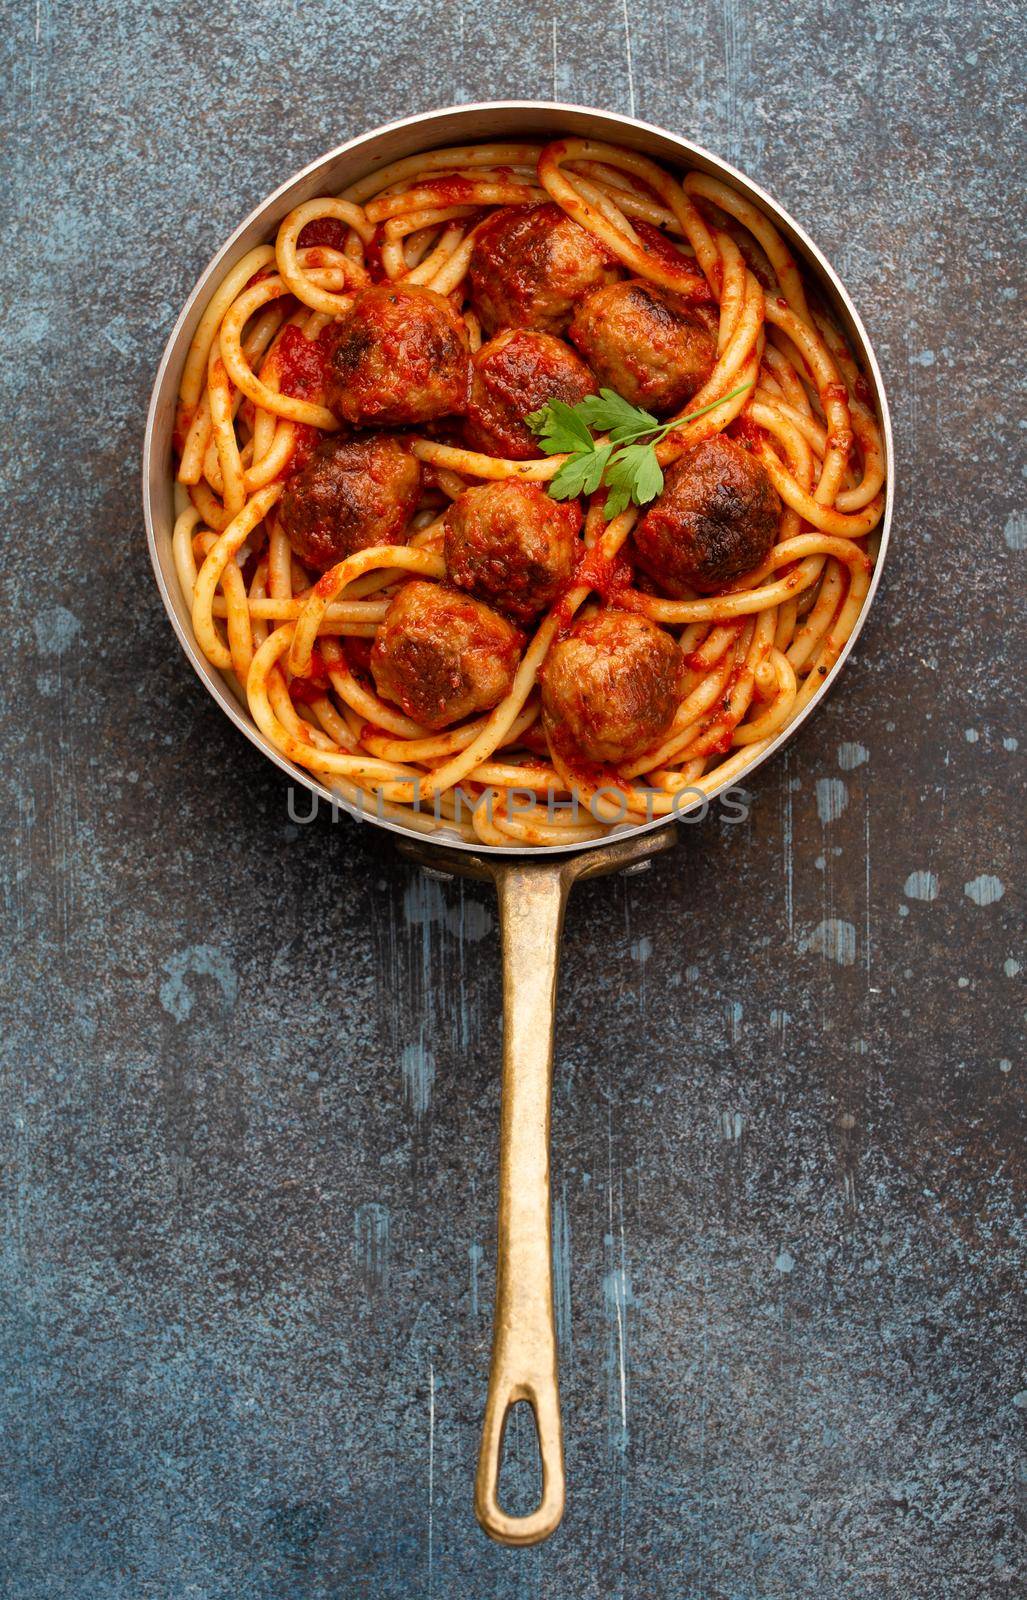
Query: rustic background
[[249, 1072]]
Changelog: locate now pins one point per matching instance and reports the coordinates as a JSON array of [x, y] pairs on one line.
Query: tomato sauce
[[305, 691], [183, 422], [585, 775], [301, 365], [373, 256], [656, 243], [606, 575], [451, 191], [328, 231], [307, 441], [358, 655], [864, 392], [746, 433], [608, 578]]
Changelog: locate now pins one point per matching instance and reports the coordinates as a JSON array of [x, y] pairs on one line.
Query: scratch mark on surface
[[627, 52], [617, 1294], [371, 1243], [731, 1126], [866, 883], [431, 1476], [641, 949], [562, 1270], [474, 1255], [780, 1019], [787, 838], [417, 1064]]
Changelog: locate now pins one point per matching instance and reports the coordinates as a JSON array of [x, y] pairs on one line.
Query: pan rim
[[214, 682]]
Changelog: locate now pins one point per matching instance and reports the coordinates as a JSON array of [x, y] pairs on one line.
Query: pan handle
[[532, 899]]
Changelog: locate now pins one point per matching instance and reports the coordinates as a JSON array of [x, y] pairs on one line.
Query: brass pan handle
[[524, 1360], [532, 900]]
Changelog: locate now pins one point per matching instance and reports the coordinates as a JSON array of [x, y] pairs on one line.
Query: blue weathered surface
[[249, 1069]]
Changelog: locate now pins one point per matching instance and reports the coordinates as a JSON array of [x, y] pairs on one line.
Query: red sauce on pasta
[[328, 231], [301, 365]]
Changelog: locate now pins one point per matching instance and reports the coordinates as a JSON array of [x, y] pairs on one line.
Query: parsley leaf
[[610, 413], [622, 478], [581, 474], [560, 428], [627, 464], [648, 477]]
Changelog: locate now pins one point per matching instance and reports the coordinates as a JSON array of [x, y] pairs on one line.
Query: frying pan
[[532, 886]]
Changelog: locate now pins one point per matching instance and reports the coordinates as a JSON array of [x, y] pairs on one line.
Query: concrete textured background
[[248, 1099]]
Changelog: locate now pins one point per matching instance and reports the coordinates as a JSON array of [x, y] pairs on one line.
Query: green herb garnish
[[627, 467]]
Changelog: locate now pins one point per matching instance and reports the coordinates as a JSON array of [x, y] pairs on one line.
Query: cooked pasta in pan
[[524, 490]]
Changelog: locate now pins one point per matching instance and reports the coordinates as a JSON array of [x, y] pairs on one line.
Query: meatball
[[650, 345], [442, 656], [516, 372], [716, 518], [530, 265], [512, 545], [611, 686], [398, 356], [352, 493]]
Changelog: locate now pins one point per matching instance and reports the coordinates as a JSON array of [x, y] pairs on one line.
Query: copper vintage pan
[[532, 887]]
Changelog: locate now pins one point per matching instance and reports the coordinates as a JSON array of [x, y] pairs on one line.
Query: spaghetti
[[315, 637]]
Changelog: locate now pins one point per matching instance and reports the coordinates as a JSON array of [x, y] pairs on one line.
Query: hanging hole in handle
[[519, 1481], [538, 1461]]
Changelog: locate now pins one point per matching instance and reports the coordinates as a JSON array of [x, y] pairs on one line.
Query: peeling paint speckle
[[417, 1065], [984, 890], [834, 939], [1015, 530], [832, 798], [56, 630], [199, 961]]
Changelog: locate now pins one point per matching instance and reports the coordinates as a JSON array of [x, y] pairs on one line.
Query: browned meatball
[[352, 493], [442, 656], [511, 544], [516, 372], [716, 518], [398, 356], [530, 265], [611, 686], [650, 345]]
